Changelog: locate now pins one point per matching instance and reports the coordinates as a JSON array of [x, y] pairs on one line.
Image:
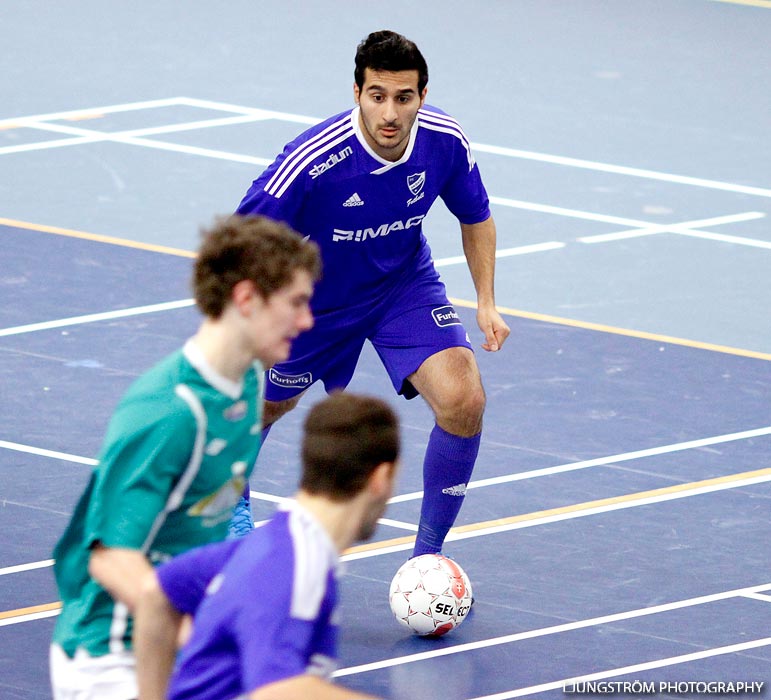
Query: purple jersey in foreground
[[266, 616]]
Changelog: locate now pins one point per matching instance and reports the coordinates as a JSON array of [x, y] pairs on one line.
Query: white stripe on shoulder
[[447, 125], [191, 470], [427, 118], [193, 466], [440, 118], [311, 149], [311, 555], [310, 143], [120, 611], [320, 153]]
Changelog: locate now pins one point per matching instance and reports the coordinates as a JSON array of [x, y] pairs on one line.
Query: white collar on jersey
[[310, 521], [221, 383], [387, 164]]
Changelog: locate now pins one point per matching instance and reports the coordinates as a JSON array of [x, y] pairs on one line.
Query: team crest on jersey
[[415, 183], [290, 380], [215, 446], [218, 506], [445, 316], [236, 412]]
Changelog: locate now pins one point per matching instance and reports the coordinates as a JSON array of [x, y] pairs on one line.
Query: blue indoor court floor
[[617, 525]]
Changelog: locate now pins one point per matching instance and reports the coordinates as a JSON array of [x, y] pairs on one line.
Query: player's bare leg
[[242, 522], [273, 410], [450, 383]]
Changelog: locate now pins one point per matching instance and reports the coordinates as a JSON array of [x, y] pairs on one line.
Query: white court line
[[504, 252], [497, 529], [82, 136], [571, 514], [758, 596], [640, 228], [30, 617], [45, 145], [601, 461], [40, 452], [481, 483], [26, 567], [571, 213], [196, 151], [687, 228], [610, 507], [626, 670], [240, 109], [144, 131], [400, 524], [135, 137], [91, 318], [513, 477], [620, 170], [270, 498], [543, 157], [87, 111], [724, 238], [480, 147], [554, 629]]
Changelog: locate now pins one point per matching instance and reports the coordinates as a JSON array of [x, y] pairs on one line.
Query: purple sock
[[447, 469]]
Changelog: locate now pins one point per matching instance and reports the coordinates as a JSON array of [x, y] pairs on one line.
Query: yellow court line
[[499, 522], [84, 116], [575, 508], [614, 500], [42, 228], [752, 3], [588, 325], [46, 607], [459, 302]]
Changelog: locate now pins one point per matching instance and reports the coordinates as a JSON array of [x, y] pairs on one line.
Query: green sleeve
[[143, 458]]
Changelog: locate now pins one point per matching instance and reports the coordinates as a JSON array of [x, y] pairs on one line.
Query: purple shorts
[[409, 325]]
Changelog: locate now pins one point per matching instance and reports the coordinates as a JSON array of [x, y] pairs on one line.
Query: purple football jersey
[[267, 615], [364, 212]]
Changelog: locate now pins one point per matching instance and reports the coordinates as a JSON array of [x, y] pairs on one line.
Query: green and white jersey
[[175, 460]]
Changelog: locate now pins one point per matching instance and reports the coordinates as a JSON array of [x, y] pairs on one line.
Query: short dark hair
[[388, 51], [346, 437], [254, 248]]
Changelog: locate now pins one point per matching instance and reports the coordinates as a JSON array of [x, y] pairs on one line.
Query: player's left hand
[[496, 330]]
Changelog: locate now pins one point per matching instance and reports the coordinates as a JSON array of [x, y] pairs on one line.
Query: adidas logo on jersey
[[354, 201], [457, 490]]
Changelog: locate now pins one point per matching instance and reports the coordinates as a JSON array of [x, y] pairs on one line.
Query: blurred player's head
[[391, 52], [252, 248], [256, 276], [390, 88], [347, 438]]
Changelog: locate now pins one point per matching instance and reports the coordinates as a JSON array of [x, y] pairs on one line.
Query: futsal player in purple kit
[[360, 184], [263, 606]]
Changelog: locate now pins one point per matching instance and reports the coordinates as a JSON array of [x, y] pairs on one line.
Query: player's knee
[[472, 405], [462, 411]]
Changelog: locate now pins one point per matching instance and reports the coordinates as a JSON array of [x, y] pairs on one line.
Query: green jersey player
[[178, 449]]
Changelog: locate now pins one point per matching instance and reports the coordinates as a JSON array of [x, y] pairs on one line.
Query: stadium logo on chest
[[330, 162], [415, 183]]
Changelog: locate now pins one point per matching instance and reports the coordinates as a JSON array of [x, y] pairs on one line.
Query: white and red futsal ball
[[430, 595]]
